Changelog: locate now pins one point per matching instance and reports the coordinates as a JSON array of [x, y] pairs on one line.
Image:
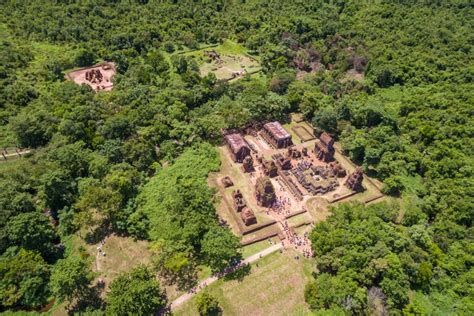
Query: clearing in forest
[[275, 286], [227, 61]]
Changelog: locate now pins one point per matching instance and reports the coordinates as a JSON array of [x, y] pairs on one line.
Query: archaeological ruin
[[247, 164], [248, 217], [265, 192], [354, 181], [238, 147], [324, 149], [227, 182], [276, 135], [98, 77]]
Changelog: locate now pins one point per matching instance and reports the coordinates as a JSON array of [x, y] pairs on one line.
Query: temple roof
[[277, 130], [236, 142]]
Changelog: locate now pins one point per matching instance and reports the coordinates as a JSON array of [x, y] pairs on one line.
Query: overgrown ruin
[[98, 77], [265, 192]]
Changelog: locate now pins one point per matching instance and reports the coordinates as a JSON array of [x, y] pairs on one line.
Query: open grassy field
[[275, 286], [299, 219], [234, 58], [252, 249]]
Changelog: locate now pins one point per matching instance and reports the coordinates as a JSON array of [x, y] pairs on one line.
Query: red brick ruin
[[239, 149], [227, 182], [239, 201], [248, 217], [354, 181], [247, 164], [324, 149], [240, 205], [94, 76], [276, 135]]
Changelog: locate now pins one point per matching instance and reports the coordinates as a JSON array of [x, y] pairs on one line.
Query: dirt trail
[[185, 297]]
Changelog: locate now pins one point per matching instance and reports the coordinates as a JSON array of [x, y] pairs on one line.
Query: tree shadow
[[89, 301], [239, 273], [96, 235]]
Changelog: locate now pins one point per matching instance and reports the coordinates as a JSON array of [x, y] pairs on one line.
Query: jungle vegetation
[[391, 80]]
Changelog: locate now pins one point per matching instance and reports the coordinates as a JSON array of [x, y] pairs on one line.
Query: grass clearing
[[234, 58], [254, 248], [275, 286]]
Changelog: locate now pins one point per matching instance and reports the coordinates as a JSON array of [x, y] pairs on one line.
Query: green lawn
[[275, 286], [252, 249]]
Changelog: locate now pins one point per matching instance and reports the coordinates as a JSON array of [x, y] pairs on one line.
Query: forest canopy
[[390, 80]]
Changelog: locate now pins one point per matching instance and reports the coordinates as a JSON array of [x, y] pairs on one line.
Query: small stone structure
[[354, 181], [227, 182], [282, 162], [248, 217], [324, 149], [247, 164], [337, 169], [294, 153], [269, 168], [239, 149], [276, 135], [239, 201], [265, 192]]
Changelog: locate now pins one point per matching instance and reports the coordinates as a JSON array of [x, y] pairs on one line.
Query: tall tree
[[135, 293], [71, 280], [23, 279]]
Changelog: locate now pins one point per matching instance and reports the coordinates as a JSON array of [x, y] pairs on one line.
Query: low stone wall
[[295, 214], [260, 238], [249, 230]]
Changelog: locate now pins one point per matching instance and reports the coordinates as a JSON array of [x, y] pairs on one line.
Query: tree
[[135, 293], [33, 231], [33, 129], [220, 248], [207, 305], [23, 279], [71, 279], [84, 57]]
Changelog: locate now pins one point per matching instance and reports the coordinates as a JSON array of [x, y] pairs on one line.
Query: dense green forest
[[134, 161]]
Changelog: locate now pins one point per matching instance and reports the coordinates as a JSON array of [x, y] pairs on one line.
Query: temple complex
[[276, 135], [238, 147], [98, 77], [324, 149]]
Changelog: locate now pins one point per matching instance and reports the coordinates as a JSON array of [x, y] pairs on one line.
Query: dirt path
[[185, 297], [13, 155]]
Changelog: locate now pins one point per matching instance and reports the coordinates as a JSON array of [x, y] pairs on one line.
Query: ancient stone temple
[[276, 135], [238, 147], [337, 169], [265, 192], [294, 153], [248, 164], [94, 76], [282, 162], [354, 181], [324, 149], [269, 168], [248, 217]]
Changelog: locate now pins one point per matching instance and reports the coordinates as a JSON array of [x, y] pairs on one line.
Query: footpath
[[185, 297]]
